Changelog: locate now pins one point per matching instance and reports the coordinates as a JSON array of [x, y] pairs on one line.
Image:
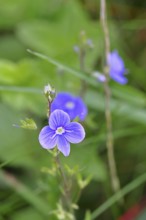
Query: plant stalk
[[109, 141], [66, 194]]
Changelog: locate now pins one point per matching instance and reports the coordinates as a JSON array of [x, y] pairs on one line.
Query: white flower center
[[60, 130], [70, 105]]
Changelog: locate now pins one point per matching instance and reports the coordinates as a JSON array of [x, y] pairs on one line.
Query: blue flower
[[117, 68], [99, 76], [70, 104], [61, 132]]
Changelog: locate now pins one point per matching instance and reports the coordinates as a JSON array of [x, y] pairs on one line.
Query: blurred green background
[[52, 27]]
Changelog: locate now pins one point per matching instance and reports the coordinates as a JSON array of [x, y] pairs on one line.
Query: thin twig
[[109, 142]]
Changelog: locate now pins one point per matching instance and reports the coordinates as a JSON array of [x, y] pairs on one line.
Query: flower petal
[[81, 109], [73, 106], [117, 68], [75, 132], [119, 78], [60, 100], [116, 62], [58, 118], [47, 138], [66, 102], [63, 145]]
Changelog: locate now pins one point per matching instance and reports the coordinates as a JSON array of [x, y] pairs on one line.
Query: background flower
[[72, 105], [99, 76], [117, 68], [61, 132]]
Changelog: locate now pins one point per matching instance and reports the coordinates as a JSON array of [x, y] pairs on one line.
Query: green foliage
[[28, 123], [88, 215], [36, 48]]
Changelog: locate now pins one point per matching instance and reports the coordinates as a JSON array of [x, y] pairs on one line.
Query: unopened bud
[[49, 92], [99, 76]]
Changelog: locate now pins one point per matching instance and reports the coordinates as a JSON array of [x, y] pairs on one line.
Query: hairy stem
[[66, 187], [109, 142]]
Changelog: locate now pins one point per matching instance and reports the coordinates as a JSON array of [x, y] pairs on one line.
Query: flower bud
[[99, 76], [49, 92]]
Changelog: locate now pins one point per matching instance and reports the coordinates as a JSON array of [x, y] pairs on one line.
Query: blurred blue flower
[[99, 76], [70, 104], [61, 132], [117, 68]]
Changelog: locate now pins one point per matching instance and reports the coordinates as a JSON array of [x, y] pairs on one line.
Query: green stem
[[66, 187], [82, 55]]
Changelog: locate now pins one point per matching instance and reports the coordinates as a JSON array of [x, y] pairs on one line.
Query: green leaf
[[93, 168], [28, 123], [71, 70], [25, 192], [129, 94], [117, 196], [88, 215], [27, 213], [118, 107]]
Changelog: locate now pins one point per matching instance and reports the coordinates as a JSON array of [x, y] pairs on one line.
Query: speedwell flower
[[70, 104], [117, 68], [61, 132]]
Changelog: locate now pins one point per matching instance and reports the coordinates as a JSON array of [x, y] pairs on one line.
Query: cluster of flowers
[[61, 131], [64, 108]]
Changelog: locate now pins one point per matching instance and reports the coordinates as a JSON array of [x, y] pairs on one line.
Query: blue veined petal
[[75, 132], [58, 118], [47, 138], [63, 145]]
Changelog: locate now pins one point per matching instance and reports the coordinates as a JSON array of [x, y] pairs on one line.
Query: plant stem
[[83, 82], [109, 142], [66, 187], [58, 162], [82, 55]]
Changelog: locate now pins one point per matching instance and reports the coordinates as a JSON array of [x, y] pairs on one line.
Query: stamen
[[70, 105], [60, 130]]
